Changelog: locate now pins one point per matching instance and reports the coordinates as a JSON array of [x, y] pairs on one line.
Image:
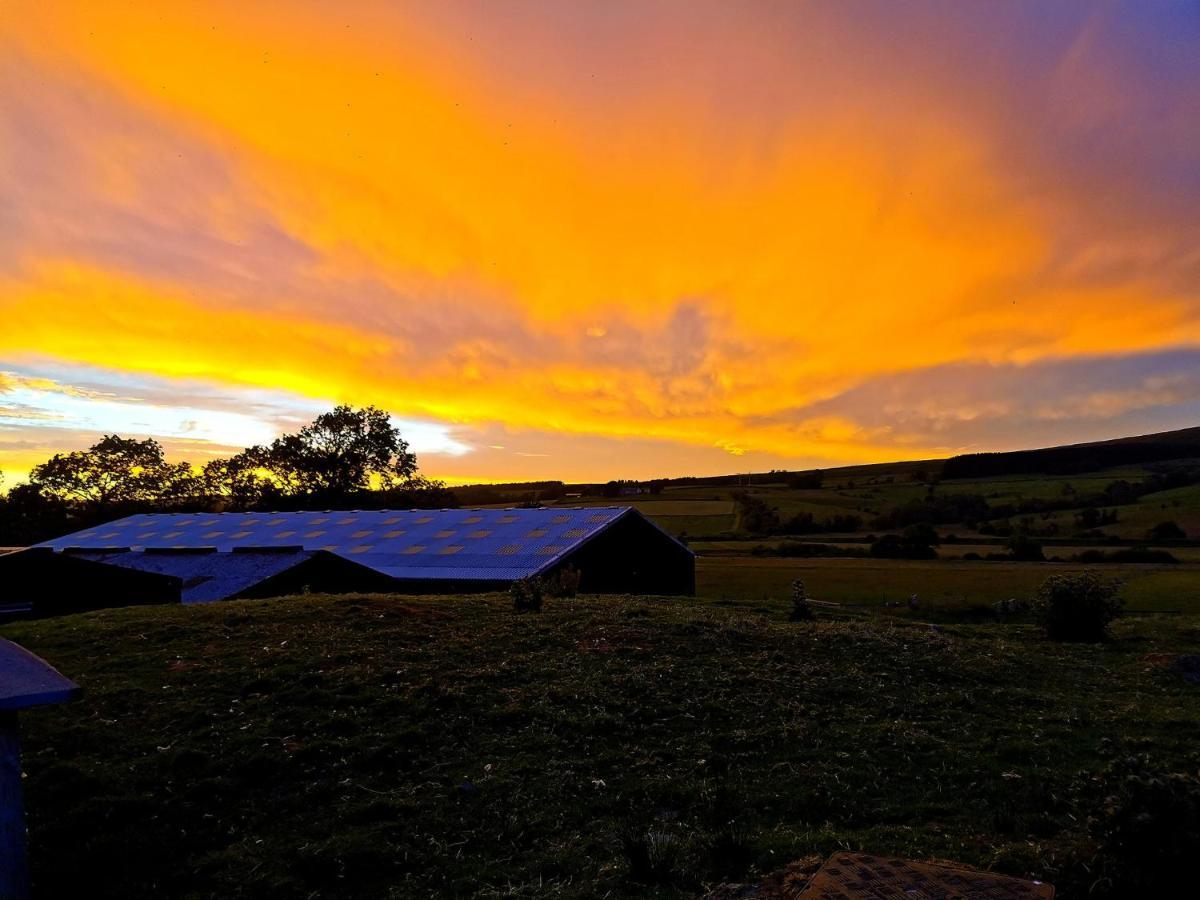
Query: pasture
[[944, 587], [705, 511], [385, 747]]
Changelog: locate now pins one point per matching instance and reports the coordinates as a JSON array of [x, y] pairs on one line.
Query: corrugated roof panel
[[504, 543], [207, 576]]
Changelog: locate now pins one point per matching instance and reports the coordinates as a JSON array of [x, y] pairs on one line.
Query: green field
[[707, 511], [383, 747], [704, 511], [1181, 505], [943, 587]]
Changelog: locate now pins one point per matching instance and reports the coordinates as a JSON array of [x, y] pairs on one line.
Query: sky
[[600, 239]]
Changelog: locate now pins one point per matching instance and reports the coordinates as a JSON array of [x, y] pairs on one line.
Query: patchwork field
[[944, 588], [374, 746], [704, 511]]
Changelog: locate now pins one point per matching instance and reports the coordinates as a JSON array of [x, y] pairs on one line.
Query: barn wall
[[632, 556], [53, 584], [324, 573], [431, 586]]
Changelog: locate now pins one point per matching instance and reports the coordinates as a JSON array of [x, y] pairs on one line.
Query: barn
[[200, 558]]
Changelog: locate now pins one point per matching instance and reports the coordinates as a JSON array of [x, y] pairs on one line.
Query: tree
[[802, 610], [917, 542], [27, 515], [115, 470], [755, 515], [341, 453], [242, 481], [1167, 531], [1024, 548], [921, 534], [806, 480]]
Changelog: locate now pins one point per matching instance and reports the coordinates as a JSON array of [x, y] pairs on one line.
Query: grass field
[[944, 587], [376, 746], [1181, 505], [703, 511]]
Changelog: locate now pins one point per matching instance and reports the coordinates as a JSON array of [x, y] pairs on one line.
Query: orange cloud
[[672, 258]]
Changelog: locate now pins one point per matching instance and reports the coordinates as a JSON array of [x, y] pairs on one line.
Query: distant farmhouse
[[200, 558]]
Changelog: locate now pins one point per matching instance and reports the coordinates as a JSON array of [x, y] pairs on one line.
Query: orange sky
[[596, 240]]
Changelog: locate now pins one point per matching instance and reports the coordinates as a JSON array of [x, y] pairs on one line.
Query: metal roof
[[206, 576], [458, 544], [27, 680]]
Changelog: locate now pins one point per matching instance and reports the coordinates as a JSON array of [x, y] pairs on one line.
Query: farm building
[[199, 558]]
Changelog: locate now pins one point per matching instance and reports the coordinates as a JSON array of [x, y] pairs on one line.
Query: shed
[[225, 555]]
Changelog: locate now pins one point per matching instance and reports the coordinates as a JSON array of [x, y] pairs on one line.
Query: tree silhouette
[[115, 470], [28, 515], [343, 452]]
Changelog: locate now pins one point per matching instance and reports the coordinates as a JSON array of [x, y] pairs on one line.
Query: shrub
[[802, 610], [1166, 531], [908, 546], [754, 514], [563, 583], [526, 595], [1024, 548], [803, 550], [1130, 555], [1077, 607]]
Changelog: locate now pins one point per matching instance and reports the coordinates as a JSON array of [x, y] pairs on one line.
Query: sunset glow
[[594, 240]]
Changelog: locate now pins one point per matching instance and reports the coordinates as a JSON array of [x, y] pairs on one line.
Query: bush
[[526, 595], [1130, 555], [802, 610], [754, 515], [563, 583], [1148, 832], [1024, 548], [1077, 607], [1166, 531], [803, 550], [908, 546]]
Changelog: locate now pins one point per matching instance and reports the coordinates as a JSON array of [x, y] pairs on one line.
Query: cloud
[[980, 406], [675, 225]]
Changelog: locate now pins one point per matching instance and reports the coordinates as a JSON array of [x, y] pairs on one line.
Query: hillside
[[1076, 458], [1181, 444], [373, 746]]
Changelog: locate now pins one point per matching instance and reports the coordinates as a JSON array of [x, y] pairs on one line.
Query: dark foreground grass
[[375, 747]]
